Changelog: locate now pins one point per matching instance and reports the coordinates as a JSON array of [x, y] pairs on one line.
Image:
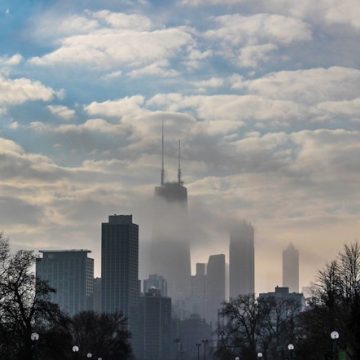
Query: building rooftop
[[64, 251]]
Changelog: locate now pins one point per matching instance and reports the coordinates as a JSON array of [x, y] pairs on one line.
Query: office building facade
[[71, 274], [119, 265], [215, 287], [242, 260], [290, 268], [155, 326]]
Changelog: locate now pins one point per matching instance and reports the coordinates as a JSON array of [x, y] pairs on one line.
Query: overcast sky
[[265, 96]]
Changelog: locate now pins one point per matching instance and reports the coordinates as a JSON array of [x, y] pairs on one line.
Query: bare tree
[[24, 304]]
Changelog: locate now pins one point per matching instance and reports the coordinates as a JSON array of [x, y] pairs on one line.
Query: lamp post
[[334, 337], [291, 348], [75, 350], [260, 355], [205, 342], [34, 339], [198, 345], [237, 358], [89, 355]]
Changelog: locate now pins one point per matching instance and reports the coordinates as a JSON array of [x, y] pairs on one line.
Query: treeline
[[31, 327], [256, 329]]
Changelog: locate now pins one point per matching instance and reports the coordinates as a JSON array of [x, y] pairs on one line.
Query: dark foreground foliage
[[252, 326], [25, 309]]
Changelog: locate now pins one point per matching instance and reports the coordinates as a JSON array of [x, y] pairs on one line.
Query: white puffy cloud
[[250, 40], [62, 26], [115, 108], [212, 83], [253, 55], [350, 109], [20, 90], [237, 29], [13, 60], [124, 21], [62, 111], [123, 41], [230, 107], [158, 69], [330, 12], [308, 86]]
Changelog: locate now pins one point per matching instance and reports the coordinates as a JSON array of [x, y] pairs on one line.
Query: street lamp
[[89, 355], [334, 337], [205, 341], [34, 338], [75, 350], [260, 355], [198, 350], [291, 348], [237, 358]]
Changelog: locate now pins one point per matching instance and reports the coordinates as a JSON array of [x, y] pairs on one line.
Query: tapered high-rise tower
[[170, 253], [242, 262], [291, 268]]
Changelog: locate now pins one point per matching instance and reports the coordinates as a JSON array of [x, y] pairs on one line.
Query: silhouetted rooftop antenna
[[162, 155], [179, 164]]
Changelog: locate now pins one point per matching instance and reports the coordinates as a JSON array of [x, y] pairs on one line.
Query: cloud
[[123, 41], [249, 40], [13, 60], [348, 109], [62, 111], [237, 29], [253, 55], [328, 11], [308, 86], [20, 90], [230, 107], [124, 21], [212, 83], [158, 69], [263, 94], [115, 108]]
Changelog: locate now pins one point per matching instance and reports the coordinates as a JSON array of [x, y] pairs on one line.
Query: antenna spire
[[179, 164], [162, 155]]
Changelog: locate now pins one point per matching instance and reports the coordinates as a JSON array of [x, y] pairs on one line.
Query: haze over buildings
[[170, 248], [215, 287], [242, 260], [290, 268]]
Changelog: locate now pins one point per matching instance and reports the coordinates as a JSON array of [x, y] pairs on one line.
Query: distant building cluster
[[176, 312]]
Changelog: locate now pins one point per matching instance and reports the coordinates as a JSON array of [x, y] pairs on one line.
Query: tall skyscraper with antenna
[[170, 252]]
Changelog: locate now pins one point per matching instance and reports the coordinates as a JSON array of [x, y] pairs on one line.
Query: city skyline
[[264, 96]]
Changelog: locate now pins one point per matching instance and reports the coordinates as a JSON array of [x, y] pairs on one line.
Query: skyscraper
[[215, 286], [71, 274], [97, 295], [155, 326], [119, 265], [170, 252], [157, 282], [290, 268], [197, 301], [242, 263]]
